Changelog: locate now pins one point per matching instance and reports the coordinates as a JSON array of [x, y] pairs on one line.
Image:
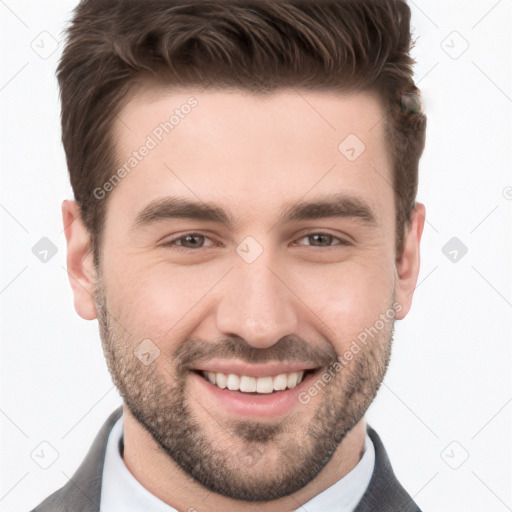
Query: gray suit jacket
[[83, 491]]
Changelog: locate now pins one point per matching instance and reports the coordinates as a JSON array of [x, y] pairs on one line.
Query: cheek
[[158, 301], [352, 300], [163, 302]]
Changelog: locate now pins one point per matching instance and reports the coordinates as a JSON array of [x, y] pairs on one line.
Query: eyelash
[[171, 243]]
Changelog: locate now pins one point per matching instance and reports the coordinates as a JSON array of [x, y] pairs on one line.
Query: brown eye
[[320, 239], [188, 241], [192, 241], [323, 240]]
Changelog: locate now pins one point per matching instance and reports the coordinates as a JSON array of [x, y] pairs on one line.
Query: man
[[246, 232]]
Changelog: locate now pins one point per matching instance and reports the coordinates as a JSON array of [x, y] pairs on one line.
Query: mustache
[[290, 348]]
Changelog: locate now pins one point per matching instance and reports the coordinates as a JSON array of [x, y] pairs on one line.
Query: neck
[[163, 478]]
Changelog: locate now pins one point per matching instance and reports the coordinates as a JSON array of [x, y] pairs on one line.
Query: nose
[[257, 304]]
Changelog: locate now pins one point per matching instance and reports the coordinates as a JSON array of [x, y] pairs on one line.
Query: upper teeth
[[248, 384]]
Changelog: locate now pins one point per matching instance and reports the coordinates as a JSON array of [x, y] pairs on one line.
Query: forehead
[[228, 145], [319, 111]]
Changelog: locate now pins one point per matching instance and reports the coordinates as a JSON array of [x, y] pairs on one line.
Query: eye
[[189, 241], [323, 240]]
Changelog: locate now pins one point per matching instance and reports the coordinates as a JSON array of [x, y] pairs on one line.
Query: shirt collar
[[122, 492]]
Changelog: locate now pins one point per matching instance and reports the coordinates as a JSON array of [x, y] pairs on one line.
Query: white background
[[447, 395]]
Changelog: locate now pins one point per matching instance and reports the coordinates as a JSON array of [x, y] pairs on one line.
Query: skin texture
[[305, 298]]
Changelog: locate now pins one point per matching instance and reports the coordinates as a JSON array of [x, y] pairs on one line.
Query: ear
[[408, 265], [79, 261]]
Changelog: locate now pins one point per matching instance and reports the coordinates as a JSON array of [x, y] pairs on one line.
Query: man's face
[[266, 287]]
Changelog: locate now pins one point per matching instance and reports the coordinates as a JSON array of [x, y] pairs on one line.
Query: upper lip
[[269, 369]]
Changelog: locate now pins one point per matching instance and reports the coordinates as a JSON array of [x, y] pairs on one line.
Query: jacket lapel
[[82, 493], [384, 493]]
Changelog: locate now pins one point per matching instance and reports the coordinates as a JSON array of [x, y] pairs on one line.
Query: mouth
[[249, 385], [240, 389]]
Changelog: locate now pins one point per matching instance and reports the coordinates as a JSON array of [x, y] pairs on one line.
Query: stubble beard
[[159, 400]]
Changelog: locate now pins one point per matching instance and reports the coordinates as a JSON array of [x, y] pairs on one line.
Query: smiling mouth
[[246, 384]]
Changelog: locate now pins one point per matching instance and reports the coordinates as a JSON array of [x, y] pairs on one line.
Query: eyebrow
[[330, 206], [336, 205]]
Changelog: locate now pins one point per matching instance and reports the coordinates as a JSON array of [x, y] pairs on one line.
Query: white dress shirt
[[122, 492]]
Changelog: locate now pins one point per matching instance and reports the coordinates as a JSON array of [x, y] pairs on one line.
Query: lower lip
[[242, 404]]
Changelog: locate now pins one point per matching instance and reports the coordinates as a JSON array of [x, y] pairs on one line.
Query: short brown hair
[[256, 45]]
